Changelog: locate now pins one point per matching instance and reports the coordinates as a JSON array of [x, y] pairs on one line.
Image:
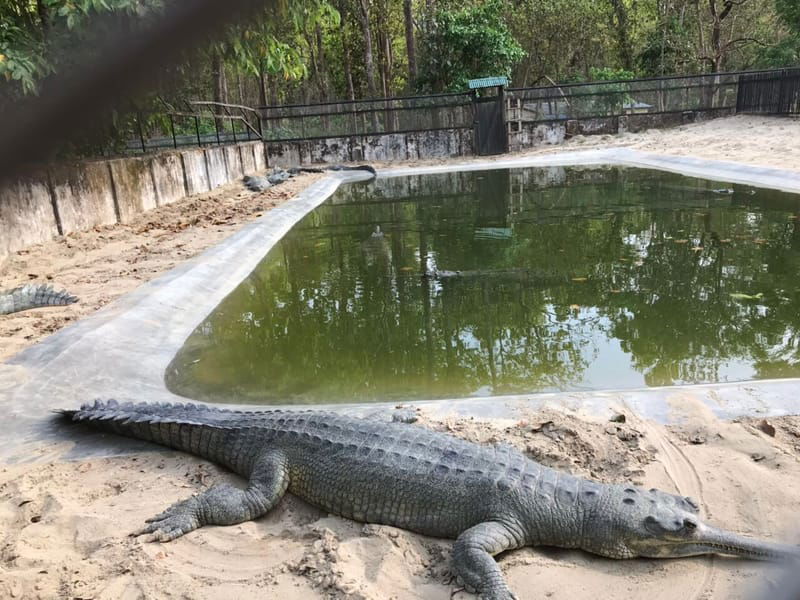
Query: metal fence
[[660, 95], [774, 91], [367, 117], [201, 123]]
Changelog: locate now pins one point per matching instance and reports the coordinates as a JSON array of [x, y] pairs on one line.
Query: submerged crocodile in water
[[488, 498], [33, 295]]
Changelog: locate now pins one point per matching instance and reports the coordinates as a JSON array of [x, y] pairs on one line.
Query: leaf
[[580, 279], [741, 296]]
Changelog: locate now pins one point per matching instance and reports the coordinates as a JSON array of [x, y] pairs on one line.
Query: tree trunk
[[620, 22], [411, 48], [369, 64], [262, 86], [322, 66], [220, 83], [348, 70], [44, 21], [366, 29]]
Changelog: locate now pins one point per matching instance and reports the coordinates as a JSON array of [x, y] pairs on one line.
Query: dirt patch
[[100, 265]]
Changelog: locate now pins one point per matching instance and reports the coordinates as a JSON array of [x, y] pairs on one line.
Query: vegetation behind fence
[[207, 123]]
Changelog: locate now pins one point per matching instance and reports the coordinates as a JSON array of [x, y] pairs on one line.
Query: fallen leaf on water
[[575, 306], [725, 241], [615, 291], [681, 241], [760, 241], [580, 279], [697, 248], [639, 263], [792, 217], [740, 296], [406, 268]]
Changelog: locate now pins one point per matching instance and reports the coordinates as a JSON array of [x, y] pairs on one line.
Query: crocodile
[[488, 498], [33, 295], [259, 183]]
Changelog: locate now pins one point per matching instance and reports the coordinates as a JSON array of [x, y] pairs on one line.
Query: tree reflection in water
[[501, 282]]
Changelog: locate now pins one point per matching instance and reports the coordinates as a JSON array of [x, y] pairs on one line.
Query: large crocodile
[[32, 295], [488, 498]]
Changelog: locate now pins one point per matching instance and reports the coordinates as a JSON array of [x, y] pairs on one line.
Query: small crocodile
[[488, 498], [33, 295]]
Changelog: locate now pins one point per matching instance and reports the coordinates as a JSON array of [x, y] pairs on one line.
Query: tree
[[458, 45], [411, 48], [366, 28]]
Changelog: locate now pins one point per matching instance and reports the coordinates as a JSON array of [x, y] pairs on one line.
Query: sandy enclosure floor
[[64, 527]]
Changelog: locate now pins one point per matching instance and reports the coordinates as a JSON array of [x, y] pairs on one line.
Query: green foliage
[[609, 74], [464, 44], [789, 12], [665, 48], [276, 44], [35, 36], [21, 57], [786, 52]]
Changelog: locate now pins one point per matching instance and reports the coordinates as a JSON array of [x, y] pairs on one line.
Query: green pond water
[[510, 281]]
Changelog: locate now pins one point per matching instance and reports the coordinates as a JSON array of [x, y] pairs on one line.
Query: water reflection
[[504, 282]]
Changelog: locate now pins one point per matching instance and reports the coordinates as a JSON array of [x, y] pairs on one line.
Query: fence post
[[172, 130], [197, 130], [141, 133]]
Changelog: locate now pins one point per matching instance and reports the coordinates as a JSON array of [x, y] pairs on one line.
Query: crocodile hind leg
[[474, 563], [224, 504]]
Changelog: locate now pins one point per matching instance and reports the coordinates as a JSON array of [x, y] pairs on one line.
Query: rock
[[757, 457], [698, 437], [766, 427], [405, 415], [617, 418]]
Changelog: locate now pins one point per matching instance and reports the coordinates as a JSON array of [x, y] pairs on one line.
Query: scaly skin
[[488, 498], [32, 295]]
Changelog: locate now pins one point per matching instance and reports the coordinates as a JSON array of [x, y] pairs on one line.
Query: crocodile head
[[655, 524]]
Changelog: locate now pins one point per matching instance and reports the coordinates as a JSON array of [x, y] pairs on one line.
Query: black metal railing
[[658, 95], [366, 117], [201, 123]]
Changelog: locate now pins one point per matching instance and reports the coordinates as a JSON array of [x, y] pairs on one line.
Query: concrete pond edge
[[123, 350]]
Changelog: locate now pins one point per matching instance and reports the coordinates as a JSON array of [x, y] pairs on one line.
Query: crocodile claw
[[179, 519]]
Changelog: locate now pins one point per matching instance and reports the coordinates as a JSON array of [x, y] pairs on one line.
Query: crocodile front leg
[[224, 504], [474, 563]]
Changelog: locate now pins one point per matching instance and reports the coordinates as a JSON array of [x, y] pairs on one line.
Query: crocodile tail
[[33, 295], [188, 427]]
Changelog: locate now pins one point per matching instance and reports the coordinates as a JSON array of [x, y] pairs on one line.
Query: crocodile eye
[[689, 524]]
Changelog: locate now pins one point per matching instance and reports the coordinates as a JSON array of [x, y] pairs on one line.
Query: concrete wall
[[442, 143], [524, 134], [73, 196]]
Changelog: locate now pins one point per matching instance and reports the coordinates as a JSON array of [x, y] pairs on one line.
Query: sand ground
[[64, 527]]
